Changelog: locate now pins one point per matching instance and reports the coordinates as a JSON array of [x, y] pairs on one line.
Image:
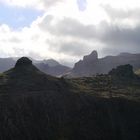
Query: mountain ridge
[[49, 66], [95, 65], [90, 65]]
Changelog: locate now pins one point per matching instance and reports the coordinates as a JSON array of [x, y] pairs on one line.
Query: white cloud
[[38, 4]]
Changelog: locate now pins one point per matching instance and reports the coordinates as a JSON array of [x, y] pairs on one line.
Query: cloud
[[71, 48], [122, 13], [66, 33], [37, 4], [120, 39], [67, 27], [49, 3], [74, 48], [105, 33], [15, 40], [123, 16]]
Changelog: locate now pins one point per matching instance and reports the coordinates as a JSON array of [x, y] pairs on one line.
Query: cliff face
[[91, 65], [87, 66]]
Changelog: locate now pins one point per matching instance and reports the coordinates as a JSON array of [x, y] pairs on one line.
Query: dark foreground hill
[[35, 106]]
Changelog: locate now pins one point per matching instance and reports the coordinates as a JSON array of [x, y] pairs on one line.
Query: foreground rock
[[123, 71]]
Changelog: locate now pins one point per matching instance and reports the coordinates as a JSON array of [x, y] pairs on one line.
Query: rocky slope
[[36, 106]]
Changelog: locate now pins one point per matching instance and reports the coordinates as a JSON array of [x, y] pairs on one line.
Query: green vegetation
[[106, 86]]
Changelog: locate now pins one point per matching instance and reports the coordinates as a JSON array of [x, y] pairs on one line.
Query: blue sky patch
[[17, 17], [82, 4]]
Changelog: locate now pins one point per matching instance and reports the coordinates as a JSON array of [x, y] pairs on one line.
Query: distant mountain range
[[89, 66], [52, 67], [49, 66], [6, 63]]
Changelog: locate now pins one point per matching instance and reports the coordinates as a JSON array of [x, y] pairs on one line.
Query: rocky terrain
[[36, 106], [91, 64]]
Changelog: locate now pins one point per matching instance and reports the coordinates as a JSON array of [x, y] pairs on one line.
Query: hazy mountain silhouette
[[51, 62], [91, 64], [50, 66], [6, 63]]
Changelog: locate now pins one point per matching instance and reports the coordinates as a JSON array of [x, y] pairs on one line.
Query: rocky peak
[[51, 62], [24, 65], [123, 71], [91, 57], [24, 61]]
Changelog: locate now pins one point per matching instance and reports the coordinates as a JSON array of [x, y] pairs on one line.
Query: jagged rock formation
[[86, 66], [92, 57], [123, 71], [91, 64], [23, 62]]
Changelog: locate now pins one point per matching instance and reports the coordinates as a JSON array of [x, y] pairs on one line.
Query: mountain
[[91, 64], [51, 62], [52, 67], [25, 74], [49, 66], [6, 63], [36, 106]]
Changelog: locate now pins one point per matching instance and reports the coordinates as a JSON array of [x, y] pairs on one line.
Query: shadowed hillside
[[36, 106]]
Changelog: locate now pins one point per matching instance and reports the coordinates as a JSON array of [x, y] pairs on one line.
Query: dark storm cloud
[[68, 27], [71, 48], [115, 38], [121, 35], [121, 39], [74, 48]]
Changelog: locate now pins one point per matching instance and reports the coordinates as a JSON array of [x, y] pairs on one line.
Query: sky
[[66, 30]]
